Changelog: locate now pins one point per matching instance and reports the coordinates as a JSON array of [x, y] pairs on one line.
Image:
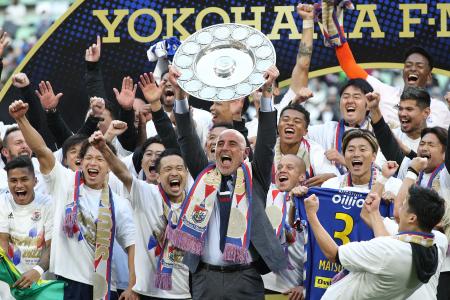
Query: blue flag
[[339, 213]]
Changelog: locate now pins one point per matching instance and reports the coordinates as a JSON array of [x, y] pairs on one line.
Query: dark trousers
[[75, 290], [142, 297], [242, 285], [443, 288]]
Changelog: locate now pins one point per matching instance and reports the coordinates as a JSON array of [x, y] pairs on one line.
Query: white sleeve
[[125, 227], [142, 194], [366, 256], [445, 178], [440, 114], [48, 222], [319, 161], [403, 169], [58, 178], [4, 221], [317, 133]]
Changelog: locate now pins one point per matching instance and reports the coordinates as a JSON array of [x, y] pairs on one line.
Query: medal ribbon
[[432, 177]]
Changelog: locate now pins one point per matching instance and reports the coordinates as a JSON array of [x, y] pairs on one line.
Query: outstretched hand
[[152, 92], [18, 109], [93, 53], [46, 95], [4, 42], [126, 96]]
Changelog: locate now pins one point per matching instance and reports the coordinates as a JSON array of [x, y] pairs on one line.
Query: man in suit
[[222, 266]]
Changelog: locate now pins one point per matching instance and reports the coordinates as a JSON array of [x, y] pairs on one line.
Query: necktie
[[224, 207]]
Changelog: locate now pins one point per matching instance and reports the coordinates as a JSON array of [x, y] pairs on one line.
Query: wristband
[[411, 169], [38, 269], [382, 180], [308, 24], [411, 175]]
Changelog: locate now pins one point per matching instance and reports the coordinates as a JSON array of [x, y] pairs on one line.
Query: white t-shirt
[[73, 258], [379, 269], [29, 227], [40, 187], [426, 291], [390, 98], [443, 191], [392, 185], [147, 205], [289, 278]]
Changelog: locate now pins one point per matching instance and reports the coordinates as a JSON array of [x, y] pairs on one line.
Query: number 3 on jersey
[[343, 235]]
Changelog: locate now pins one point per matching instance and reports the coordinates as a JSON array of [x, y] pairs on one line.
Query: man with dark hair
[[70, 151], [159, 272], [416, 72], [413, 111], [26, 222], [14, 145], [292, 129], [88, 218], [387, 266]]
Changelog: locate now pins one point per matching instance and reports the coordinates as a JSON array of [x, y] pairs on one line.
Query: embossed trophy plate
[[224, 62]]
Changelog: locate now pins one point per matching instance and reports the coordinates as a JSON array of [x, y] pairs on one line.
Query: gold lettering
[[327, 266], [408, 20], [445, 13], [171, 25], [110, 27], [210, 10], [256, 22], [284, 11], [321, 264], [137, 14], [366, 10]]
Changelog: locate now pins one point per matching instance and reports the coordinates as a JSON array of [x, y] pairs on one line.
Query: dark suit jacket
[[269, 254]]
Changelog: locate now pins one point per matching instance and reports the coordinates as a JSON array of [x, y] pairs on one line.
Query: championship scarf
[[105, 230], [347, 180], [276, 210], [303, 152], [340, 130], [339, 213], [189, 234], [169, 255], [434, 182]]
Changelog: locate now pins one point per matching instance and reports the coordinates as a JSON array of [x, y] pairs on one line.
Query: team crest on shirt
[[36, 216], [199, 214]]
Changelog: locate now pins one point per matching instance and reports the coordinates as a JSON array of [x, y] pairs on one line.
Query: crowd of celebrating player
[[154, 199]]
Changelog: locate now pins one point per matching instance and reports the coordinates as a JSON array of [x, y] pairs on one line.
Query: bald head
[[291, 172], [231, 151]]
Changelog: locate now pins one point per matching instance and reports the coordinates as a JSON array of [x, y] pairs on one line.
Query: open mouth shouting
[[93, 172], [350, 109], [412, 79], [175, 184], [289, 132], [226, 160], [21, 194], [357, 164]]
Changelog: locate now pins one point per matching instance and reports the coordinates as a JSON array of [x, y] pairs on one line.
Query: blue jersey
[[339, 213]]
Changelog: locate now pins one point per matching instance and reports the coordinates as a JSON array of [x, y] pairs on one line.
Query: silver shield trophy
[[224, 62]]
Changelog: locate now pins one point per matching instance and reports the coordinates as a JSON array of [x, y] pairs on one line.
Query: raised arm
[[4, 42], [152, 94], [386, 139], [94, 78], [22, 82], [17, 110], [267, 132], [236, 107], [324, 240], [115, 164], [348, 63], [301, 68]]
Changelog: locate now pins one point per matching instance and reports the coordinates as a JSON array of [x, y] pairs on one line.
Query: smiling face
[[211, 139], [230, 151], [292, 126], [21, 183], [431, 148], [359, 157], [221, 112], [291, 171], [411, 116], [72, 161], [95, 168], [151, 154], [16, 146], [353, 106], [168, 95], [173, 176], [416, 71]]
